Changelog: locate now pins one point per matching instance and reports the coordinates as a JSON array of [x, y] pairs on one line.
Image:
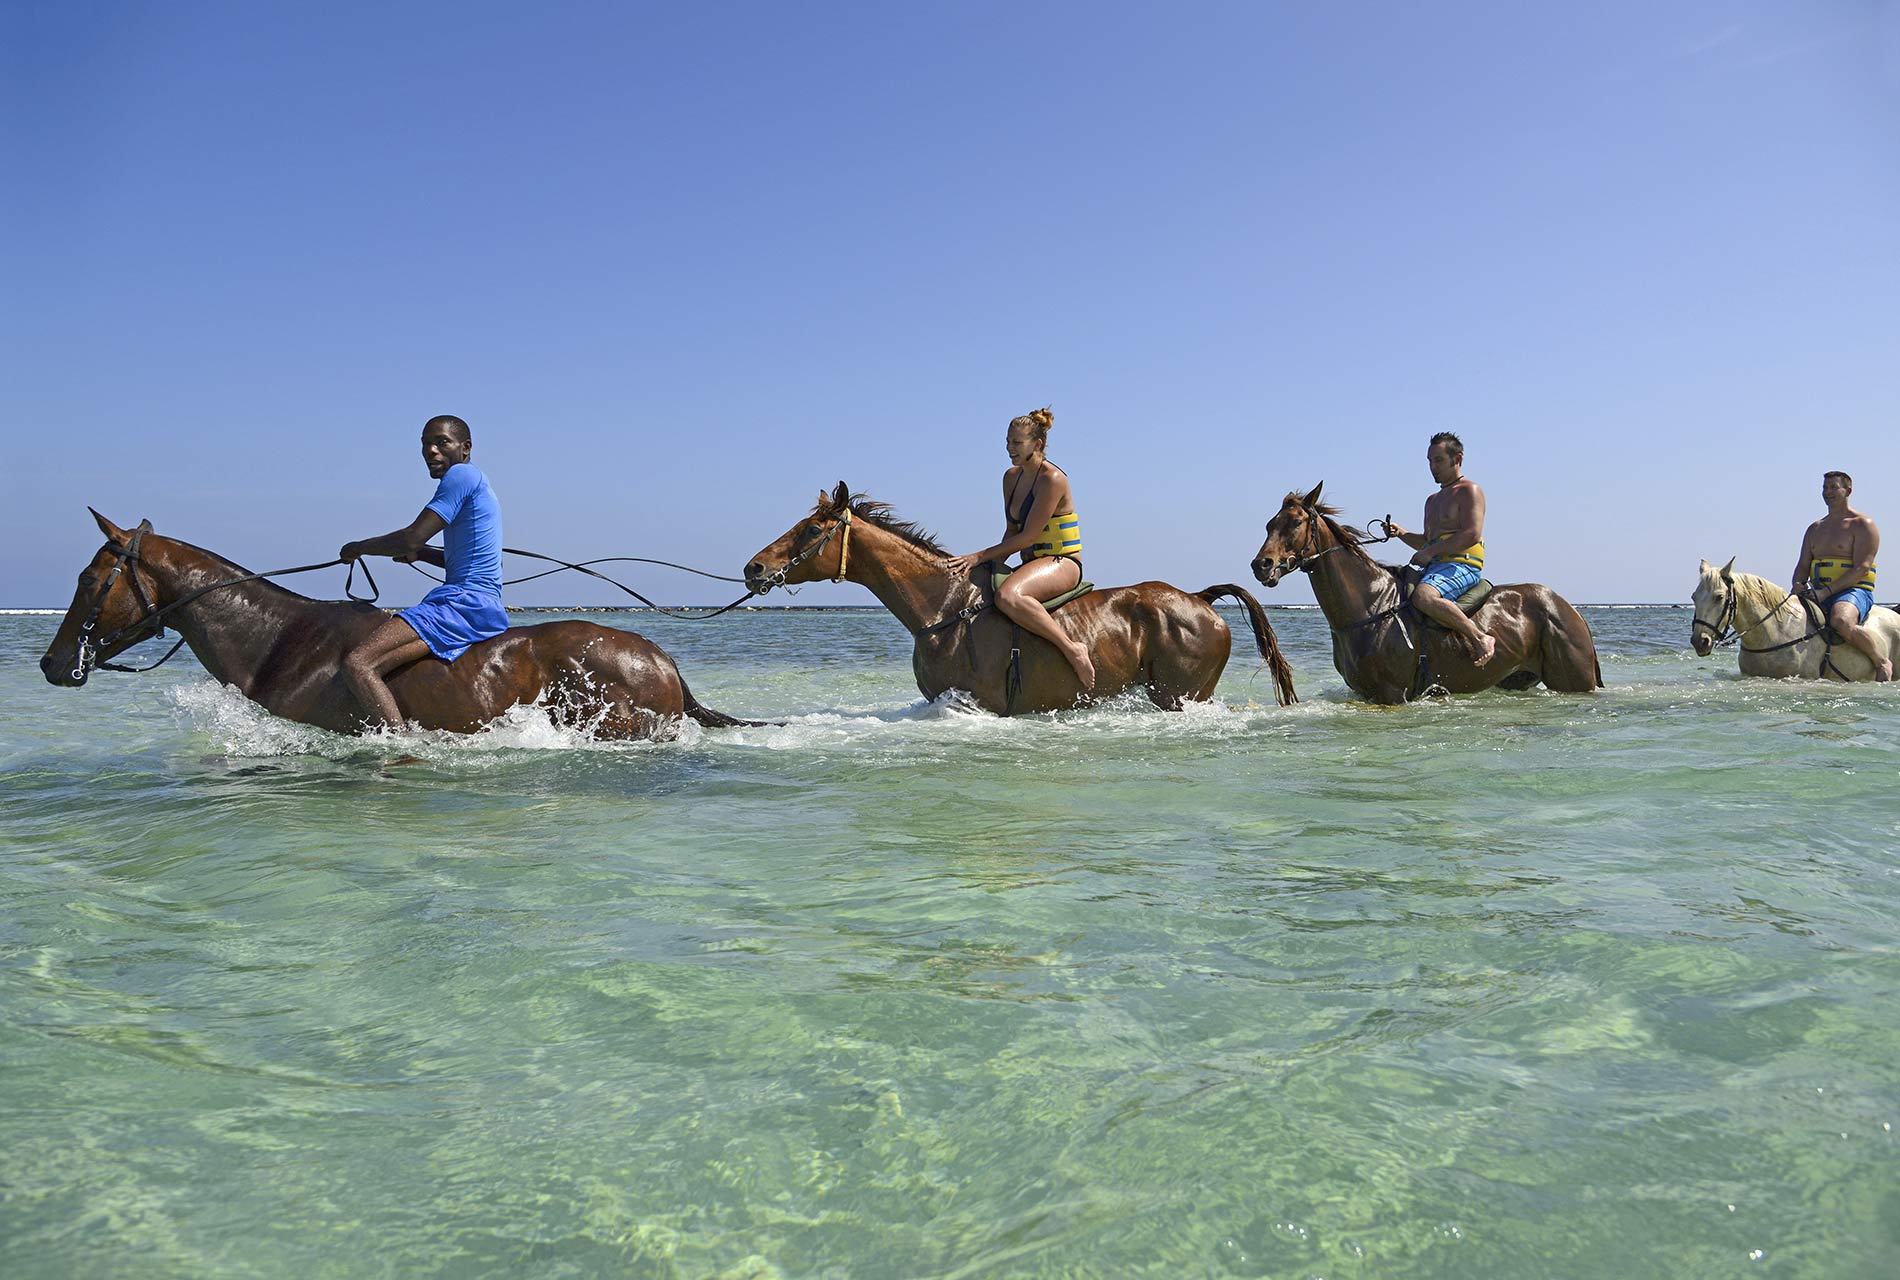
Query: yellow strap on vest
[[1823, 570], [1472, 555]]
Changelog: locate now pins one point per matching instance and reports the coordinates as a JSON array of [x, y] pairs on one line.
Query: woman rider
[[1043, 526]]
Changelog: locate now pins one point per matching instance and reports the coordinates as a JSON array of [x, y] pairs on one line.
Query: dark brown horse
[[1152, 634], [285, 651], [1376, 635]]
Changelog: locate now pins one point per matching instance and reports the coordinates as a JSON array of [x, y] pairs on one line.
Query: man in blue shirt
[[466, 608]]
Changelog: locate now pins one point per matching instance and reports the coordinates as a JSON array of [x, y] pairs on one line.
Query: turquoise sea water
[[1522, 985]]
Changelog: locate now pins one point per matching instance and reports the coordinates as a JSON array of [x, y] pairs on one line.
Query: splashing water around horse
[[1172, 643], [1375, 636], [285, 651], [1773, 632]]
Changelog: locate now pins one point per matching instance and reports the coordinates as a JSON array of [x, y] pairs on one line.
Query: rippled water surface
[[1522, 985]]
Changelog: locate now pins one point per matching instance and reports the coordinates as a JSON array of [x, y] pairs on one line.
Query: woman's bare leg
[[1021, 596]]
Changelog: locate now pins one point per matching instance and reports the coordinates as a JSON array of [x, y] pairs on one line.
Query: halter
[[778, 576]]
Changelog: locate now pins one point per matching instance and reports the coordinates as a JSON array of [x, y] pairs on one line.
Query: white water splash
[[241, 728]]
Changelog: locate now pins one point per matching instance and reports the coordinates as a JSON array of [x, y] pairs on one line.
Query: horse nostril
[[754, 569]]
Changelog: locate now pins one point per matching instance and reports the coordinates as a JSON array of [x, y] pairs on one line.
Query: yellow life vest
[[1823, 570], [1472, 555], [1061, 536]]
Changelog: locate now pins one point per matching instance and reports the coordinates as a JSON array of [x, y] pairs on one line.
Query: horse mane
[[1762, 596], [880, 514]]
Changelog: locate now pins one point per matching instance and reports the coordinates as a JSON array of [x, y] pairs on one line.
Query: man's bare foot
[[1084, 669], [1883, 671], [1486, 649]]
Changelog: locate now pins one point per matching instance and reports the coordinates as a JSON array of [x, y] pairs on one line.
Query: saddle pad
[[1473, 600], [1079, 589]]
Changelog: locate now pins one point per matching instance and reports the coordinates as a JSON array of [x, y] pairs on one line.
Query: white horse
[[1774, 633]]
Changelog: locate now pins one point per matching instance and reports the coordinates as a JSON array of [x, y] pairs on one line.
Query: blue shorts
[[1862, 598], [1450, 579], [451, 618]]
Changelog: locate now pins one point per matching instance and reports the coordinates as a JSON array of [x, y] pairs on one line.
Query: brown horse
[[285, 651], [1376, 634], [1153, 634]]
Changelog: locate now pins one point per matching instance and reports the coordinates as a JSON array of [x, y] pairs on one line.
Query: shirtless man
[[1836, 569], [1452, 546]]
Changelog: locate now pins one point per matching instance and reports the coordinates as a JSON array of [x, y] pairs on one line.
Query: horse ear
[[841, 496], [1728, 568], [112, 531], [1312, 499], [1704, 567]]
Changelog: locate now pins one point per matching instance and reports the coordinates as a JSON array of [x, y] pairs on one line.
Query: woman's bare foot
[[1078, 656], [1883, 671]]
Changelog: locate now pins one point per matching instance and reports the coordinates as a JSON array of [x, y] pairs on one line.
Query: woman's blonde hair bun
[[1039, 422]]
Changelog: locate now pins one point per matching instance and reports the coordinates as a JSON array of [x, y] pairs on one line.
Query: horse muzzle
[[1702, 643], [1268, 571], [65, 673]]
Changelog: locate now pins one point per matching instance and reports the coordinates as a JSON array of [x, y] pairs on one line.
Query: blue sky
[[681, 266]]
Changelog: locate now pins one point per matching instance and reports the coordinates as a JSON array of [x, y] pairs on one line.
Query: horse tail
[[709, 718], [1263, 637]]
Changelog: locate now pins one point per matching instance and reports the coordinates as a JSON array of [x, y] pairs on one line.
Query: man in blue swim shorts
[[1836, 569], [466, 608], [1452, 546]]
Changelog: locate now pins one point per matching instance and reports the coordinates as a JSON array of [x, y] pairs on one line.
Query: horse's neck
[[1759, 603], [233, 629], [907, 580], [1350, 587]]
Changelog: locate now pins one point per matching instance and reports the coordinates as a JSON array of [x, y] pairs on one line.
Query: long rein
[[151, 620]]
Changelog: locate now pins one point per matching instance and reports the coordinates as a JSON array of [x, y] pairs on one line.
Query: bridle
[[1305, 558], [91, 654], [1722, 631], [777, 578]]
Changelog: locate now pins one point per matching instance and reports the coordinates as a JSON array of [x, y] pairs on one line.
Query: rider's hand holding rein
[[1416, 541], [403, 545]]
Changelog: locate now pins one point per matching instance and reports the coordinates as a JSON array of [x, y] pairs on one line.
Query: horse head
[[809, 550], [114, 594], [1714, 601], [1294, 536]]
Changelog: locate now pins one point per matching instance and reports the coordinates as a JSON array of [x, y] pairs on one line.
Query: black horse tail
[[1263, 637], [711, 719]]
